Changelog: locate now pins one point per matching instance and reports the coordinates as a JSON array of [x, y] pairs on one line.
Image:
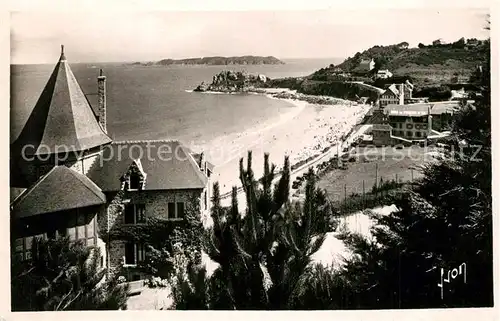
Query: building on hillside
[[403, 45], [418, 121], [438, 42], [384, 74], [397, 94], [390, 96], [472, 43], [458, 94], [366, 65], [69, 178]]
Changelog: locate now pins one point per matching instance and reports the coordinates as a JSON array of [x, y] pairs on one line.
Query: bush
[[157, 282]]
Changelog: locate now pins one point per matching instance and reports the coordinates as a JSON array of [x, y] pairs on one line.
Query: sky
[[114, 36]]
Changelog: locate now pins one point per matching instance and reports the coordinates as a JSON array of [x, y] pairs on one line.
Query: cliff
[[243, 60]]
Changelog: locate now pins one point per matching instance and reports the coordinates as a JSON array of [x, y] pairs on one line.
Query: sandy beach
[[303, 132]]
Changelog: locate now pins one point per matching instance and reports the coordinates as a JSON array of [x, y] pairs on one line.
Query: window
[[205, 199], [418, 134], [129, 253], [180, 210], [176, 210], [134, 253], [409, 134], [23, 247], [135, 213], [134, 182], [82, 227]]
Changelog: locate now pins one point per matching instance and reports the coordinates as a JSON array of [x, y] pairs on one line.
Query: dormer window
[[134, 182], [134, 179]]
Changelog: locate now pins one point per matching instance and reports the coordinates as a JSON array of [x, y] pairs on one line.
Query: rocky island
[[242, 82], [235, 81], [217, 60]]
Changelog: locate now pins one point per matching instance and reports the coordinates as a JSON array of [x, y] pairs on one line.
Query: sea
[[157, 102]]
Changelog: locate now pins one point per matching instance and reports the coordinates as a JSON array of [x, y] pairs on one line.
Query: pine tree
[[263, 254], [64, 275]]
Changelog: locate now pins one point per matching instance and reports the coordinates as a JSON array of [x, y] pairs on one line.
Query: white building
[[384, 74]]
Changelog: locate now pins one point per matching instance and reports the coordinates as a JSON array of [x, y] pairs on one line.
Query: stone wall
[[156, 204]]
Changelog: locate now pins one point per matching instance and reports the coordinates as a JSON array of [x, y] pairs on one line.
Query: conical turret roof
[[62, 119]]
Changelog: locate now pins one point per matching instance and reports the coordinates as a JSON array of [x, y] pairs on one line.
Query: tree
[[443, 221], [64, 275], [460, 43], [380, 62], [263, 255], [421, 45]]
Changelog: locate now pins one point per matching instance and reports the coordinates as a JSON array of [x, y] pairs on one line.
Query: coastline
[[305, 131]]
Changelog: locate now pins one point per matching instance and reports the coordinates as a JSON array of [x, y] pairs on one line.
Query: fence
[[380, 193]]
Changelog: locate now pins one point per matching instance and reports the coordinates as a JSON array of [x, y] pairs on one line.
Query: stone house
[[397, 94], [390, 96], [146, 179], [366, 65], [69, 178]]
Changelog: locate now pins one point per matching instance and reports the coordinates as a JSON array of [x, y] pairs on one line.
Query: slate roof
[[392, 88], [60, 189], [168, 164], [61, 116], [381, 127], [421, 109]]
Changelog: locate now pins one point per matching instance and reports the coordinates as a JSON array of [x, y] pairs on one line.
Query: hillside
[[243, 60], [426, 65]]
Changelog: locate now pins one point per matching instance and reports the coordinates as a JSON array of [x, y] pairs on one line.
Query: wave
[[214, 92]]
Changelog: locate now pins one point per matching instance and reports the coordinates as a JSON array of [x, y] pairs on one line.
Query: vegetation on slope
[[426, 65], [217, 60]]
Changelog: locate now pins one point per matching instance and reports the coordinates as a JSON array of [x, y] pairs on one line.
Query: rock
[[232, 81], [202, 87]]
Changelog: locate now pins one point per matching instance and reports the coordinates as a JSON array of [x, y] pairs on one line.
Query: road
[[367, 86], [333, 151]]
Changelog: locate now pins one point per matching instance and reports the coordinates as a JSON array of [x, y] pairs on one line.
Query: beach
[[304, 131]]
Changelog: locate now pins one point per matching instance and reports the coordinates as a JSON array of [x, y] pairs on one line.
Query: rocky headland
[[235, 81], [242, 82]]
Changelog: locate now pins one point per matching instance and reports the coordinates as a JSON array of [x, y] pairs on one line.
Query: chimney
[[201, 163], [429, 119], [101, 107], [401, 94], [62, 57]]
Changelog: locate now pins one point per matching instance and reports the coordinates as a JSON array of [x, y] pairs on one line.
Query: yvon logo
[[462, 269]]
